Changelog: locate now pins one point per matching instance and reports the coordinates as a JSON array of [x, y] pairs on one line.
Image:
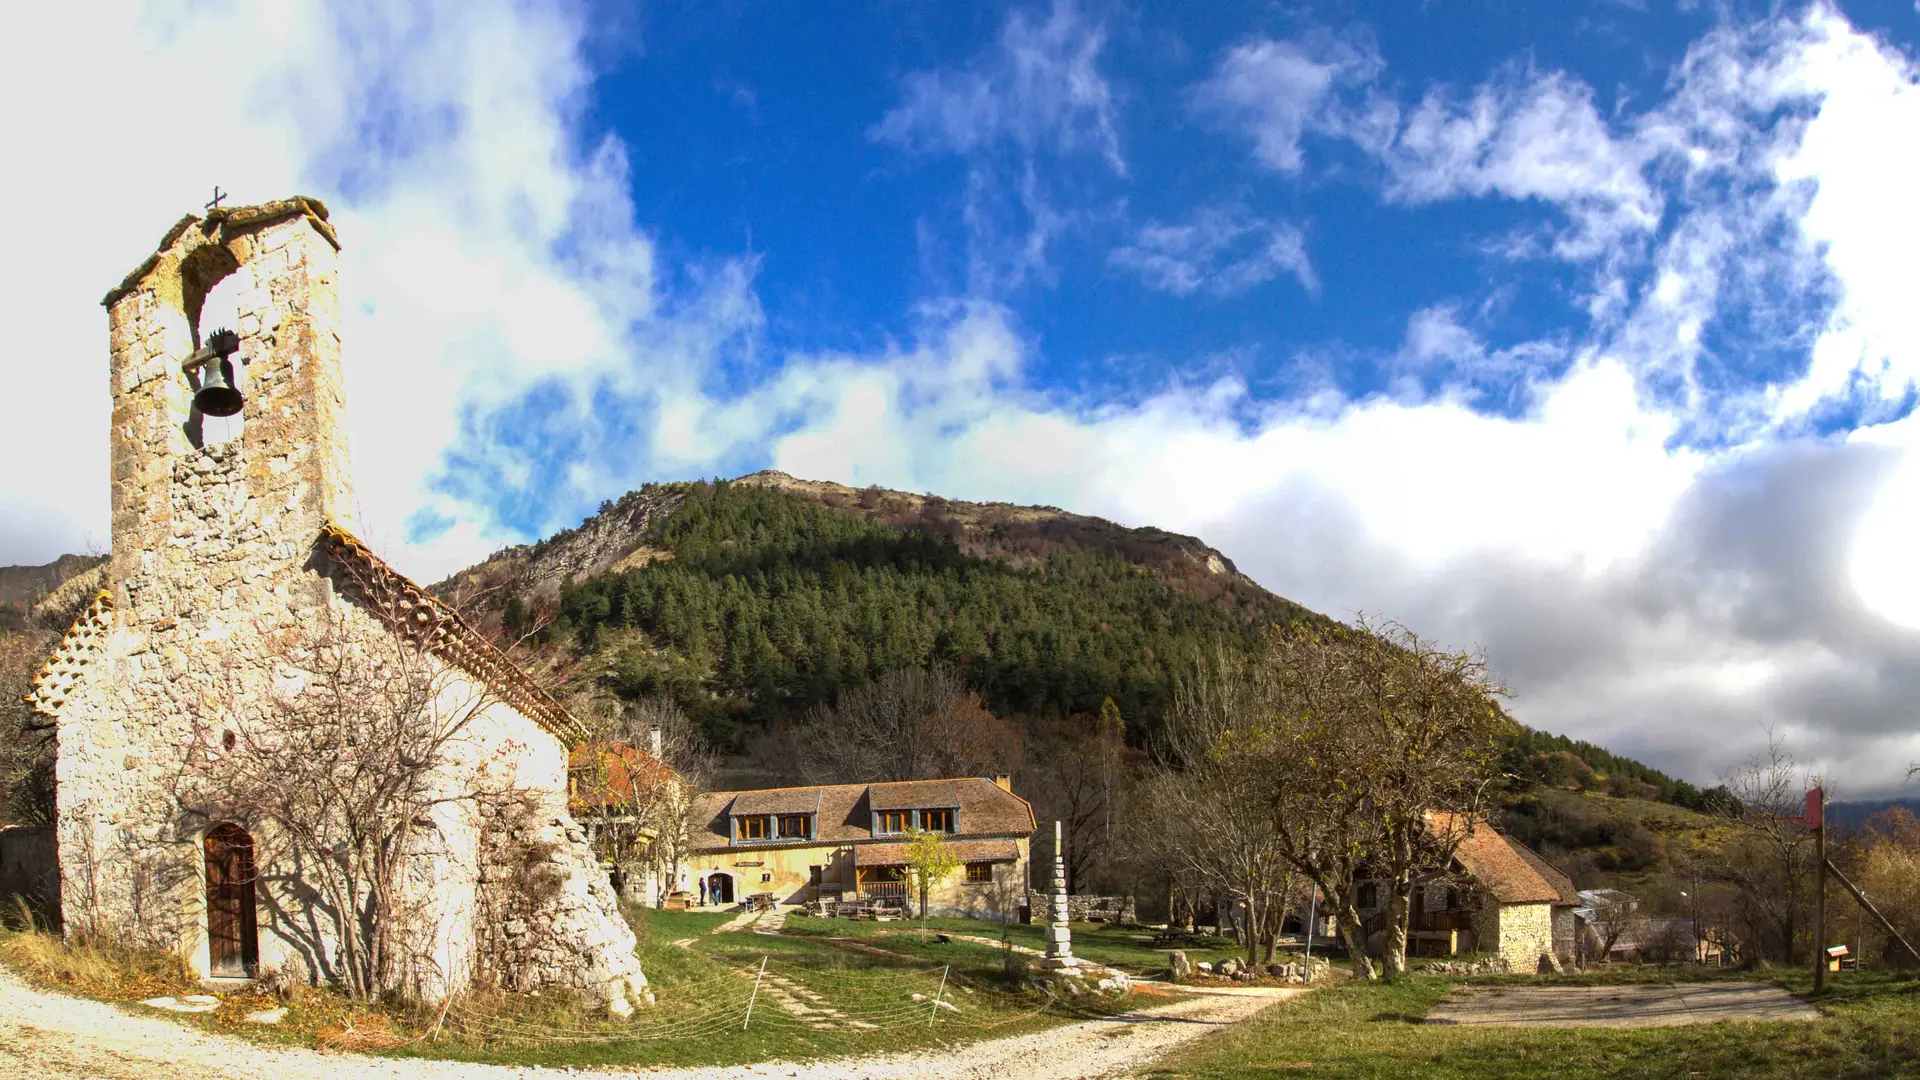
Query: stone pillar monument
[[1059, 933]]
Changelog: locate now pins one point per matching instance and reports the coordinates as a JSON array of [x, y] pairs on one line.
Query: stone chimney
[[192, 520], [653, 742]]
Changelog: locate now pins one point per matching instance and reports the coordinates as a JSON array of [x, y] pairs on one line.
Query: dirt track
[[46, 1036]]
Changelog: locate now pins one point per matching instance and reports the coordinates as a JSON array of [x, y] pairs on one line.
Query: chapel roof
[[405, 608], [62, 671], [411, 611]]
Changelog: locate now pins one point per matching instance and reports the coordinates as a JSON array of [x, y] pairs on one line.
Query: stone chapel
[[226, 557]]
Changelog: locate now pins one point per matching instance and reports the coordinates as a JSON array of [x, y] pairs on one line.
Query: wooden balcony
[[884, 890]]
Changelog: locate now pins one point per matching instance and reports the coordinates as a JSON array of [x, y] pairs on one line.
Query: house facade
[[845, 842], [1498, 897], [235, 591]]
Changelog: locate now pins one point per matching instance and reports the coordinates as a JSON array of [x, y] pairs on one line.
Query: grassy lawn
[[1872, 1029], [864, 1004], [1125, 949]]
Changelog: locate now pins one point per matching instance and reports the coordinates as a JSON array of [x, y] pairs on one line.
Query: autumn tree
[[1416, 728], [1369, 750], [633, 784], [930, 861]]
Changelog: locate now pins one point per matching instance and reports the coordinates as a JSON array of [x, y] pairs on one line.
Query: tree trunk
[[1394, 958], [1354, 934]]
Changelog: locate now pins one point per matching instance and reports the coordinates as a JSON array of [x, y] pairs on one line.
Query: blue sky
[[1581, 332]]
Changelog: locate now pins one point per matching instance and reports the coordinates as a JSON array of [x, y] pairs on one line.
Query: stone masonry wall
[[215, 572], [1526, 933]]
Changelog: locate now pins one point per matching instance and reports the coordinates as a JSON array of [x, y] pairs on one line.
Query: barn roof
[[1503, 866]]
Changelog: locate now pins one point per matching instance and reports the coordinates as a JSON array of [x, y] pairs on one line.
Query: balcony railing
[[884, 890]]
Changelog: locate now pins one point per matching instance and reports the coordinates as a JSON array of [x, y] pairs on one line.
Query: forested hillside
[[750, 602]]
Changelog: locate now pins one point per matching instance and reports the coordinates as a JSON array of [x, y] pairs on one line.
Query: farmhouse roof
[[1504, 866], [845, 811], [965, 851]]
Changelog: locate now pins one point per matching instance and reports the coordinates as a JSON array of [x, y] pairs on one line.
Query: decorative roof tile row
[[410, 611], [62, 671]]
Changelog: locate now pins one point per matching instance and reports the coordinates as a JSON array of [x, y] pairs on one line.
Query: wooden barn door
[[233, 936]]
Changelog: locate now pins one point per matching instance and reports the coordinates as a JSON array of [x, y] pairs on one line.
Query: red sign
[[1816, 807]]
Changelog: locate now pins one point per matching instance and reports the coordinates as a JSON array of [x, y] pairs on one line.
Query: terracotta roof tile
[[913, 794], [1499, 865], [83, 641], [412, 612]]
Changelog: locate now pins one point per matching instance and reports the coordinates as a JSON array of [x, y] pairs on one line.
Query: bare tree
[[26, 737], [906, 725], [1771, 860], [352, 771], [1215, 804], [1076, 772]]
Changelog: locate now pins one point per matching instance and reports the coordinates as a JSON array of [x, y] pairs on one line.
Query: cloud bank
[[1660, 553]]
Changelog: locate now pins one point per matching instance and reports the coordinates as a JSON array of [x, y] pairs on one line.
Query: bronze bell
[[217, 395]]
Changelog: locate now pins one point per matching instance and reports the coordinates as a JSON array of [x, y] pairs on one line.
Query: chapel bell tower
[[196, 521]]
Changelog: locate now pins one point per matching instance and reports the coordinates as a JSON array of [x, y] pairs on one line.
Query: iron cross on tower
[[218, 195]]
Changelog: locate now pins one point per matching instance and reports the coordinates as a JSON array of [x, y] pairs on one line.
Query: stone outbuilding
[[1499, 897], [235, 596]]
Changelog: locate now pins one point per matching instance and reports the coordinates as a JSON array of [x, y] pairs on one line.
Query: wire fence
[[771, 996]]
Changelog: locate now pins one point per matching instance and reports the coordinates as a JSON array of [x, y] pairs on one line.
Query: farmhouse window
[[754, 827], [979, 873], [794, 825], [936, 820], [895, 821], [1369, 896]]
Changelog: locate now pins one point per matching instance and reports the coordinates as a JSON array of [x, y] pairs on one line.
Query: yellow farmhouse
[[846, 842]]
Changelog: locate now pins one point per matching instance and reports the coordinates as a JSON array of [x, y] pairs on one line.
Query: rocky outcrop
[[549, 916]]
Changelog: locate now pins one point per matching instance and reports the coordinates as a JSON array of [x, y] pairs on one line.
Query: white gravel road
[[46, 1036]]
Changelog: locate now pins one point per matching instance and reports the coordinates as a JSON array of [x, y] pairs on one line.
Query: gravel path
[[47, 1036]]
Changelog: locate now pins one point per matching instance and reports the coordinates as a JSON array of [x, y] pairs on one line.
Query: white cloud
[[1527, 136], [511, 331], [1039, 87], [1277, 91], [1023, 109], [1221, 251]]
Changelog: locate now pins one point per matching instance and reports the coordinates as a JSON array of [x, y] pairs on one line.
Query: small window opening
[[228, 740]]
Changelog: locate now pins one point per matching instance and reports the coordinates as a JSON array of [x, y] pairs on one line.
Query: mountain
[[48, 590], [751, 600]]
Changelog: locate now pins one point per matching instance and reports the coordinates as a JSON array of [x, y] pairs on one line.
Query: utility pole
[[1816, 820]]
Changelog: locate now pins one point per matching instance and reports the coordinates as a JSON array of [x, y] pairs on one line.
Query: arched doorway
[[720, 889], [233, 932]]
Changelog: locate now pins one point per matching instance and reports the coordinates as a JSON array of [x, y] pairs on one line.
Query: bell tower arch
[[190, 518]]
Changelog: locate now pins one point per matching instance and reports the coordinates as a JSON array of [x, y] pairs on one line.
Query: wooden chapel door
[[233, 936]]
